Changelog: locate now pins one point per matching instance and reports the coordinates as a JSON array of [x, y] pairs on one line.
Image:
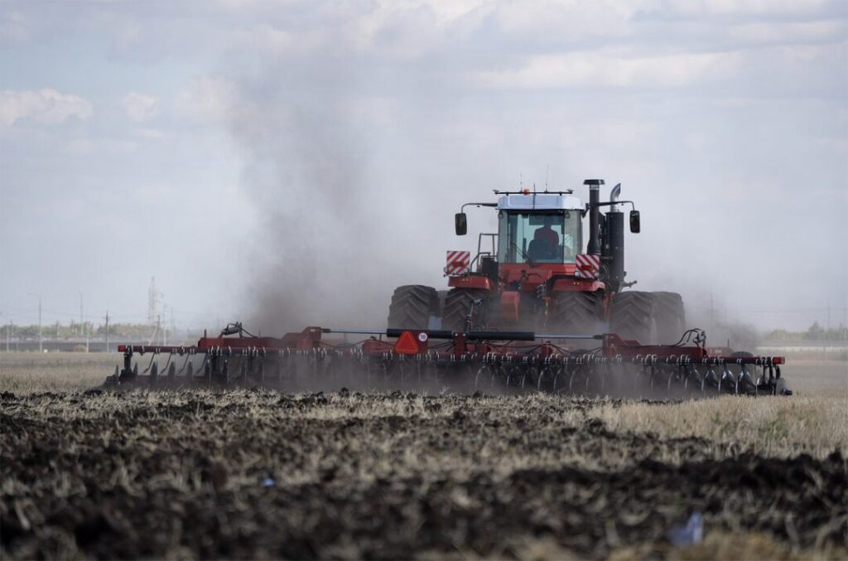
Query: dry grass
[[818, 377], [749, 546], [24, 373], [769, 426], [813, 421]]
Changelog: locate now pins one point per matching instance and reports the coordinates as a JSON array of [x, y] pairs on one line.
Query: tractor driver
[[547, 235]]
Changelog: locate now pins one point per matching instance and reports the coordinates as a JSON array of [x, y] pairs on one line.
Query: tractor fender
[[471, 281], [577, 285]]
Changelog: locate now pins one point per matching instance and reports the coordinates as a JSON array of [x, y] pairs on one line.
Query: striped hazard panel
[[588, 266], [458, 263]]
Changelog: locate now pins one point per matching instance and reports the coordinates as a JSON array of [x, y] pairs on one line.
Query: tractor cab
[[539, 238], [540, 228]]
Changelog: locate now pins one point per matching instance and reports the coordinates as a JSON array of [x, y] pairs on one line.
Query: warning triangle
[[406, 344]]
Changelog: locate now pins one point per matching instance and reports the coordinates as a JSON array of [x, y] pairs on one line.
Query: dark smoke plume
[[325, 225]]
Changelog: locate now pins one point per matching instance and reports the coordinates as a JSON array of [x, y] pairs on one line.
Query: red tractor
[[534, 274]]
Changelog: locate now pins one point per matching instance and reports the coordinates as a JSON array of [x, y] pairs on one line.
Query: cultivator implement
[[436, 360]]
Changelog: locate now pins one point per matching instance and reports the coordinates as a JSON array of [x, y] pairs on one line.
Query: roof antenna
[[520, 181], [547, 168]]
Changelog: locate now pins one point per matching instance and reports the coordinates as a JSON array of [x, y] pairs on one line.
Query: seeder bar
[[508, 358]]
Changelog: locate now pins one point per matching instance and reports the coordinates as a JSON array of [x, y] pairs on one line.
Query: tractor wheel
[[458, 303], [671, 319], [411, 307], [576, 313], [632, 316]]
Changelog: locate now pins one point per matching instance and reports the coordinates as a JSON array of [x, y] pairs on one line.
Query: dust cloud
[[323, 226]]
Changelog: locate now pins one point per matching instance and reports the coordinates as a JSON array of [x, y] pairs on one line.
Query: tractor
[[533, 310], [535, 274]]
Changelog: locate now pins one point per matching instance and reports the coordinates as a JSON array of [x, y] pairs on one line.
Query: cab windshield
[[539, 237]]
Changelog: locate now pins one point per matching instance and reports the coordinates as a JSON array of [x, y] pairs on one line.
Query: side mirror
[[461, 223], [635, 226]]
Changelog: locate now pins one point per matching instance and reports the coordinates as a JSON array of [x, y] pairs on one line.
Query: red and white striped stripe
[[588, 266], [458, 263]]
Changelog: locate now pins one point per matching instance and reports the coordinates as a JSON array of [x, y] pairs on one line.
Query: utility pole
[[8, 333], [107, 331], [827, 331], [154, 299], [844, 323], [712, 314], [40, 338], [82, 327]]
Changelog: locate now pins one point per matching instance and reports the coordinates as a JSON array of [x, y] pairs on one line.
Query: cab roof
[[539, 201]]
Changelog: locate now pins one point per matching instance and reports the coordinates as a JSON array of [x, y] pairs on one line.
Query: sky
[[288, 163]]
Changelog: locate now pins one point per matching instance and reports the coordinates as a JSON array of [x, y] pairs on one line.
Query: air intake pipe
[[594, 247]]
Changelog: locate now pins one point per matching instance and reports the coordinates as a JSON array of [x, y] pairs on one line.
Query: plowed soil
[[250, 474]]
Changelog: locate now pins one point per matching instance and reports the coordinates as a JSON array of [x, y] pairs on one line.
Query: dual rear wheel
[[412, 305], [647, 317]]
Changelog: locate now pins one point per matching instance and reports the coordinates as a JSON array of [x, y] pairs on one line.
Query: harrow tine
[[749, 387], [729, 380], [185, 364]]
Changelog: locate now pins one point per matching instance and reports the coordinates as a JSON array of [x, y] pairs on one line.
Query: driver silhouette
[[547, 235]]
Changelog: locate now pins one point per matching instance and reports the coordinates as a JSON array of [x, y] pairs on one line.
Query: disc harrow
[[438, 360]]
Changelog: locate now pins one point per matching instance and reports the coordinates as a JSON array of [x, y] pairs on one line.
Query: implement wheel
[[411, 307], [632, 316]]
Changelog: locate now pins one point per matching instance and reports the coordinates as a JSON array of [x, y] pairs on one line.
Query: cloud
[[14, 28], [207, 99], [607, 69], [139, 107], [47, 106]]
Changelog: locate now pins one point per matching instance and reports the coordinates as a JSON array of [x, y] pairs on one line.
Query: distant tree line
[[76, 330], [814, 333]]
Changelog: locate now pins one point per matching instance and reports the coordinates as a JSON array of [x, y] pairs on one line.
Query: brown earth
[[256, 474]]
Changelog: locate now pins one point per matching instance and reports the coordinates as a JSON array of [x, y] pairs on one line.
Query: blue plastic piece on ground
[[691, 533]]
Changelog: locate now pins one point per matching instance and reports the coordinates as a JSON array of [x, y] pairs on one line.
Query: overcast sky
[[300, 159]]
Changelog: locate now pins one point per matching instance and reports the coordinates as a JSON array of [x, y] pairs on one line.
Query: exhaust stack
[[594, 247]]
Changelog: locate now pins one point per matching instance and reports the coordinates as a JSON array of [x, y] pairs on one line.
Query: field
[[259, 474]]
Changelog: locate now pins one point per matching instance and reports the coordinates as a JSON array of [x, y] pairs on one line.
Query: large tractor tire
[[670, 317], [576, 313], [458, 303], [632, 316], [411, 307]]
